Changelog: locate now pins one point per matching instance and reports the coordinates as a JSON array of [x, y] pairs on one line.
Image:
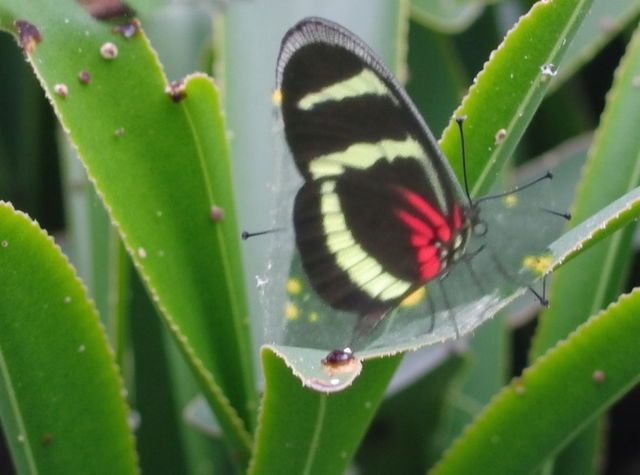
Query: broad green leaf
[[305, 362], [61, 398], [28, 175], [605, 20], [304, 431], [445, 16], [404, 436], [613, 167], [507, 92], [565, 389], [160, 445], [161, 168], [435, 73], [94, 245]]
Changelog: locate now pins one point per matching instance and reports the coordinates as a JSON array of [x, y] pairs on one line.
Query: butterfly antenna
[[460, 121], [547, 176], [566, 215], [246, 235]]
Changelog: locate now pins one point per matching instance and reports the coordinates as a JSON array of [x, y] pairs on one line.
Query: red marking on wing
[[430, 269], [427, 226], [420, 228], [435, 218]]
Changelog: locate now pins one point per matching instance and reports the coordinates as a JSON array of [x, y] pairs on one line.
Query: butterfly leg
[[508, 276], [432, 313], [450, 314], [367, 323], [472, 273]]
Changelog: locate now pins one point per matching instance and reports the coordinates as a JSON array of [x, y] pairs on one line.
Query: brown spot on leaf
[[598, 376], [61, 90], [29, 35], [84, 77], [109, 51], [217, 213], [127, 29], [106, 9], [176, 91]]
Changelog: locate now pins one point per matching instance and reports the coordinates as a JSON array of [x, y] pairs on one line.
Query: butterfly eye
[[480, 228]]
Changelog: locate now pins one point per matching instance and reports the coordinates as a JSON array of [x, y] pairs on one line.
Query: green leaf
[[507, 92], [595, 279], [603, 23], [311, 432], [565, 389], [62, 402], [436, 75], [161, 168], [404, 436], [446, 16], [305, 362], [613, 167]]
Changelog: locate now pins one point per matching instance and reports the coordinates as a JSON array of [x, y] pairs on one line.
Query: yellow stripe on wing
[[365, 82], [363, 155], [363, 269]]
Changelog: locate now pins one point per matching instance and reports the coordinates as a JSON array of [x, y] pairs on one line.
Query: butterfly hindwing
[[378, 192]]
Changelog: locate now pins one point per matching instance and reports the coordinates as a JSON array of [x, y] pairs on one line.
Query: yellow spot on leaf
[[538, 264], [510, 201], [294, 286], [414, 298], [291, 311]]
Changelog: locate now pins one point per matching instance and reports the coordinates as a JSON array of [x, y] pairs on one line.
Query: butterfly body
[[380, 212]]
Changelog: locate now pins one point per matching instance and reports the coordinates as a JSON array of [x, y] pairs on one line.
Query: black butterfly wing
[[378, 194]]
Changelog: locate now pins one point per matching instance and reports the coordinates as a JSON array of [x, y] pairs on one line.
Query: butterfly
[[380, 213]]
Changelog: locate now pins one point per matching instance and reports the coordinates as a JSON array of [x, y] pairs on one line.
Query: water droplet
[[548, 71], [261, 282]]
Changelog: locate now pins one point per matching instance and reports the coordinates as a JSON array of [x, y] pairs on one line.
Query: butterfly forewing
[[379, 200]]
